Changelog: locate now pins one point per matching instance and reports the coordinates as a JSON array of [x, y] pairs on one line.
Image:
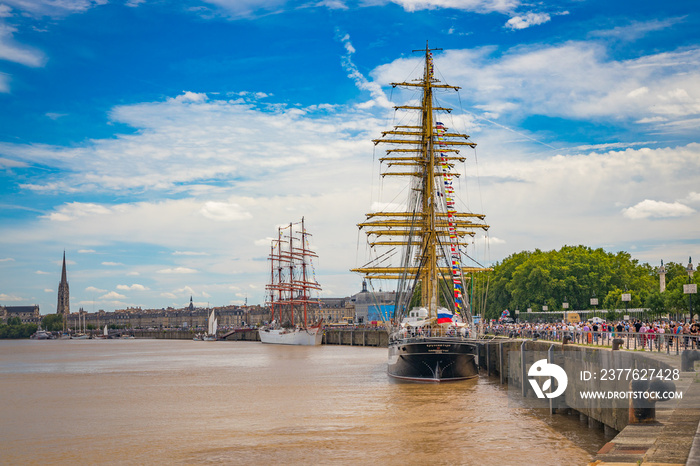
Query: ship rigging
[[429, 236]]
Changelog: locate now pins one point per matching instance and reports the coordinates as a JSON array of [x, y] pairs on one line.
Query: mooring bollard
[[688, 358], [642, 409], [566, 339], [617, 343]]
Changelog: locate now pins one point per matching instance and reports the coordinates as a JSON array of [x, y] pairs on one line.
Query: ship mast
[[272, 281], [427, 227], [292, 286]]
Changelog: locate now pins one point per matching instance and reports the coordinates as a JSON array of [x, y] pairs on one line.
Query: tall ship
[[421, 247], [293, 310]]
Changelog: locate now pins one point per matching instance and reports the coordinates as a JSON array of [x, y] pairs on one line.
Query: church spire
[[63, 306], [64, 277]]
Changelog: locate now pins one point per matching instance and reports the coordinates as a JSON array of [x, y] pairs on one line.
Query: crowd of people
[[644, 333]]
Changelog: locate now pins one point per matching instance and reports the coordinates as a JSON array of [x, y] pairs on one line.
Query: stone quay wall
[[345, 336], [495, 358]]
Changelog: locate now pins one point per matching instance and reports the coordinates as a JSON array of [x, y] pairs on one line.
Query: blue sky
[[160, 143]]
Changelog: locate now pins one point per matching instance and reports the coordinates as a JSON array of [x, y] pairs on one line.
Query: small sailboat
[[212, 327], [104, 335]]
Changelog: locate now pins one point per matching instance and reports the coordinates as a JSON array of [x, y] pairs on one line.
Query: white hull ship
[[421, 248], [291, 283], [311, 336]]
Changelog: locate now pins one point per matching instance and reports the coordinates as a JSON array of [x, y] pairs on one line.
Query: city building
[[27, 314], [337, 310], [373, 306], [184, 318]]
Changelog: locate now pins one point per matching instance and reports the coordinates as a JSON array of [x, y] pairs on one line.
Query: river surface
[[187, 402]]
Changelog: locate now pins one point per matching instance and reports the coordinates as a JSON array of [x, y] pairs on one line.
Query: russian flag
[[444, 316]]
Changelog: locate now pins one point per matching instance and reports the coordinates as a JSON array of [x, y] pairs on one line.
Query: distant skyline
[[161, 143]]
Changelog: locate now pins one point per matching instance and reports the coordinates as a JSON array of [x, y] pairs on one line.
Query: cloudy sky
[[161, 143]]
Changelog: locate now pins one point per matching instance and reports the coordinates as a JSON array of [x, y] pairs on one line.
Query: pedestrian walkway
[[673, 439]]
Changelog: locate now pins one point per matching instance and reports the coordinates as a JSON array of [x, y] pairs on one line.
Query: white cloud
[[253, 8], [577, 199], [187, 290], [246, 8], [190, 97], [536, 79], [189, 253], [693, 197], [7, 259], [479, 6], [197, 146], [263, 242], [15, 52], [133, 287], [387, 207], [7, 163], [112, 264], [378, 97], [223, 211], [41, 272], [177, 270], [112, 295], [53, 7], [10, 297], [639, 92], [636, 30], [333, 4], [657, 209], [86, 251], [611, 145], [76, 210], [48, 290], [92, 289], [527, 20]]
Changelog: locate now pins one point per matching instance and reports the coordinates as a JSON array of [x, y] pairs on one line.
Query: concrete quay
[[357, 336], [349, 336]]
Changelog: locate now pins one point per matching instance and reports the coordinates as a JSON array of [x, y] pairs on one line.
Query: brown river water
[[187, 402]]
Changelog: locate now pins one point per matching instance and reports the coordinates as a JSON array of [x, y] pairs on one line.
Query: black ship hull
[[432, 360]]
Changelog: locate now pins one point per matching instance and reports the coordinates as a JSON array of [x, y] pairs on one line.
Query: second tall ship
[[422, 246], [292, 282]]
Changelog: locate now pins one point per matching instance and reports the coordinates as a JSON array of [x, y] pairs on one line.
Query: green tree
[[573, 274], [14, 321], [16, 329], [674, 298], [655, 303], [52, 322]]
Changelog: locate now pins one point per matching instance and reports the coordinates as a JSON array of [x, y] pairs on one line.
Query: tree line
[[575, 274], [14, 328]]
